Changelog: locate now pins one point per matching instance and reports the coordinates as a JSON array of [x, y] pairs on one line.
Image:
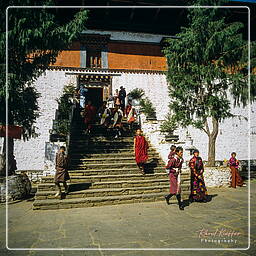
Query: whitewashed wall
[[233, 135], [233, 132], [30, 154]]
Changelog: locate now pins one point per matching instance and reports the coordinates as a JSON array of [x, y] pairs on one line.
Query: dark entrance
[[96, 96]]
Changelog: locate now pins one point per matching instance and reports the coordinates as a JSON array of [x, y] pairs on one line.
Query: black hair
[[62, 147], [195, 151], [233, 153], [173, 147], [178, 149]]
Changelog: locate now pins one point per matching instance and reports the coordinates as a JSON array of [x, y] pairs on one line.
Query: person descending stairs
[[103, 171]]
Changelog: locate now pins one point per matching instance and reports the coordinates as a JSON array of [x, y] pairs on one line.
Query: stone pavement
[[144, 225]]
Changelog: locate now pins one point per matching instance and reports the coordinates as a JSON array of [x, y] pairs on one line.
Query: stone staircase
[[103, 172]]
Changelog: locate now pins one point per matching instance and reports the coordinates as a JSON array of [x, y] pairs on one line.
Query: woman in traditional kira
[[198, 188], [236, 179]]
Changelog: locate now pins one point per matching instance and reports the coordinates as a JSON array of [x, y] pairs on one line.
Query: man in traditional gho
[[236, 179], [172, 151], [61, 175], [174, 166], [122, 96], [198, 188], [117, 123], [130, 113], [140, 150], [105, 115], [89, 116]]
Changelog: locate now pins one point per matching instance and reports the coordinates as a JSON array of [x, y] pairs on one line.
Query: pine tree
[[35, 38], [207, 65]]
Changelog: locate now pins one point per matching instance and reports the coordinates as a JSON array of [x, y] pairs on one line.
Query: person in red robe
[[236, 179], [174, 166], [89, 116], [140, 150]]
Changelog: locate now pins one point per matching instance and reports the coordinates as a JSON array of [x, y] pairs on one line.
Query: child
[[236, 179], [172, 151], [140, 150], [61, 175]]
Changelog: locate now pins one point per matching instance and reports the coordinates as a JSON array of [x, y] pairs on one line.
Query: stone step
[[106, 165], [114, 177], [102, 140], [109, 155], [105, 192], [111, 171], [102, 150], [113, 184], [94, 172], [99, 201], [111, 160]]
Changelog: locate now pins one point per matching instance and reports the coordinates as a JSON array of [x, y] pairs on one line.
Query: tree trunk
[[212, 136], [211, 151], [10, 159]]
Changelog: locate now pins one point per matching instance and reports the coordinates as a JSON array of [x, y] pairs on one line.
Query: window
[[93, 58]]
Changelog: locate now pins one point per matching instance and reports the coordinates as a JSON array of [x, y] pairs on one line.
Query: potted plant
[[168, 127], [148, 109]]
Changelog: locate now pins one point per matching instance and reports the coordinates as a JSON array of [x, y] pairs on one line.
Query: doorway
[[96, 96]]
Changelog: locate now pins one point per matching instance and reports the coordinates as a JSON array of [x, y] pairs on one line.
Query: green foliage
[[65, 103], [35, 38], [136, 93], [147, 108], [168, 125], [199, 64]]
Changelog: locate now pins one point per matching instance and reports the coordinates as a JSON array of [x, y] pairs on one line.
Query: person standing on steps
[[174, 165], [236, 179], [198, 188], [105, 115], [61, 175], [130, 113], [172, 151], [83, 94], [116, 98], [140, 150], [122, 96], [117, 124], [89, 116]]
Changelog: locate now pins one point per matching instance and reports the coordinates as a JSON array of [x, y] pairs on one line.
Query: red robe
[[174, 165], [236, 179], [141, 149], [89, 114]]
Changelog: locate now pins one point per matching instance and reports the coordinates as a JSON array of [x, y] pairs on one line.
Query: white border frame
[[249, 126]]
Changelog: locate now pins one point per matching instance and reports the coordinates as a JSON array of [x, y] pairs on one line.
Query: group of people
[[173, 168], [112, 118], [110, 114]]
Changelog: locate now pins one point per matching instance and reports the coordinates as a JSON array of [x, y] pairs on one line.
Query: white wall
[[30, 154], [233, 135], [233, 132]]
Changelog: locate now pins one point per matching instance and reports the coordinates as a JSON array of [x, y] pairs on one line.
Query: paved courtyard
[[221, 223]]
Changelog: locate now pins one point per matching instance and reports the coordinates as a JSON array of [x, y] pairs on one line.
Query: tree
[[206, 69], [35, 38]]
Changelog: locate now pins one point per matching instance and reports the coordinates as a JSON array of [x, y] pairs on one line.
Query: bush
[[147, 108], [168, 125], [136, 94]]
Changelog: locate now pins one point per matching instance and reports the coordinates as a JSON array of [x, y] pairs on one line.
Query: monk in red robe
[[89, 116], [236, 179], [140, 150], [174, 166]]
